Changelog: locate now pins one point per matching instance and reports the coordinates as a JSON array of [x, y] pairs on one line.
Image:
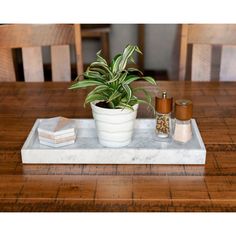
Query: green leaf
[[123, 105], [123, 77], [100, 89], [133, 101], [135, 70], [149, 80], [132, 60], [143, 101], [103, 66], [130, 79], [116, 77], [112, 82], [111, 105], [100, 58], [138, 50], [126, 55], [146, 93], [93, 75], [86, 83], [114, 95], [95, 97], [128, 91], [116, 63], [147, 103], [148, 98], [77, 78], [99, 70]]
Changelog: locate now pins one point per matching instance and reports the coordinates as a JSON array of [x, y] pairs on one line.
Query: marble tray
[[144, 149]]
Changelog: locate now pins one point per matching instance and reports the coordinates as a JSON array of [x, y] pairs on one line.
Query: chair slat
[[183, 52], [228, 64], [33, 64], [60, 57], [78, 49], [7, 71], [35, 35], [221, 64], [215, 62], [212, 34], [31, 38], [201, 62]]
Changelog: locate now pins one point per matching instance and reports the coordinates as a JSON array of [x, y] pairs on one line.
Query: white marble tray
[[144, 149]]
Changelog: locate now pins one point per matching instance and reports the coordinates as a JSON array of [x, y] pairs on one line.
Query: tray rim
[[36, 123], [28, 153]]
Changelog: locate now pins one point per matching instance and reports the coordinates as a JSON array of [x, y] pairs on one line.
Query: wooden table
[[210, 187]]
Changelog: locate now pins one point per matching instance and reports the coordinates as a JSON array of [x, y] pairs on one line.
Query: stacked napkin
[[57, 132]]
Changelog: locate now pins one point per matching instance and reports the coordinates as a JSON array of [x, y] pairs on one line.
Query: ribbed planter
[[114, 126]]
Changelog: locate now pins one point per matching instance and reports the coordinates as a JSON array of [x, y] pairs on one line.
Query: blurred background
[[198, 52], [158, 42]]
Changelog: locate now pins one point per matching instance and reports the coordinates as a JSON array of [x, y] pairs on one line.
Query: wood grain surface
[[210, 187]]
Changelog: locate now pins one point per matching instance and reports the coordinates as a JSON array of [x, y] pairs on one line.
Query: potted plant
[[113, 101]]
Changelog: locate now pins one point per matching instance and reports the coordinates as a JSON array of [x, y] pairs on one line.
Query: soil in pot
[[102, 104]]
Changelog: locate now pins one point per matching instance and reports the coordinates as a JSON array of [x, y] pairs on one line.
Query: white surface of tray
[[145, 148]]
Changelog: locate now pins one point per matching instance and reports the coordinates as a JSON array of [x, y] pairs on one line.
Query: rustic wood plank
[[33, 64], [60, 58], [207, 193], [218, 164], [210, 187], [201, 63], [7, 70]]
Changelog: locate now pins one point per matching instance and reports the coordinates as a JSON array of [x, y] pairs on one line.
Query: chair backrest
[[31, 38], [213, 45]]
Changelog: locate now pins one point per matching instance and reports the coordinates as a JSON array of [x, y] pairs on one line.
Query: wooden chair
[[141, 45], [213, 52], [31, 38], [100, 32]]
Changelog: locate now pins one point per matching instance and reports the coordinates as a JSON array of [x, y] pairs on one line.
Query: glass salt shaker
[[183, 115], [163, 115]]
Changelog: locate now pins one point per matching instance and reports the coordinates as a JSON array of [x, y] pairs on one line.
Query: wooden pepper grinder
[[163, 115]]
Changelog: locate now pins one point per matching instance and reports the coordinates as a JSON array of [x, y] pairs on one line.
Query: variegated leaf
[[114, 95], [128, 91], [149, 80], [85, 83], [100, 59], [95, 97], [116, 63], [126, 55]]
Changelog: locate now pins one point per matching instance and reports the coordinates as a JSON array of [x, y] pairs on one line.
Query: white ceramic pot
[[114, 126]]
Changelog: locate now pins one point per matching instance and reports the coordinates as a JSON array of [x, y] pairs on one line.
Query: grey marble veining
[[145, 148]]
